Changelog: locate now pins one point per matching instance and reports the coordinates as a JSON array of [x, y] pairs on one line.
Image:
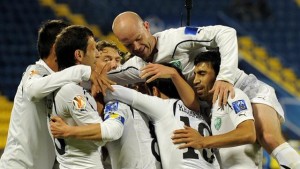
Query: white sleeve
[[38, 85], [139, 101], [240, 108], [115, 116], [225, 39], [129, 72]]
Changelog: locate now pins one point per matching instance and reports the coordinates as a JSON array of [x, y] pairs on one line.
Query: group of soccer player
[[179, 102]]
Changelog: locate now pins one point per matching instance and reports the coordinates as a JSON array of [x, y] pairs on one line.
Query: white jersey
[[76, 107], [180, 47], [29, 144], [225, 120], [167, 116], [258, 91], [133, 149]]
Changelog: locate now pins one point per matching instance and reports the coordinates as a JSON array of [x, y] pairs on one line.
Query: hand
[[221, 89], [156, 71], [100, 81], [58, 127], [189, 136]]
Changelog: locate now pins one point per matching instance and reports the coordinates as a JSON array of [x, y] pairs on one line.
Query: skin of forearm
[[186, 92], [244, 134], [87, 132]]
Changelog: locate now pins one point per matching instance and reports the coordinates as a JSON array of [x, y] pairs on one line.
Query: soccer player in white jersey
[[134, 148], [77, 107], [167, 115], [232, 125], [181, 45], [29, 144]]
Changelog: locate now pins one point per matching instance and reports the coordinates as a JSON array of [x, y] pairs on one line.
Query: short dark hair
[[47, 35], [68, 41], [209, 56], [166, 86]]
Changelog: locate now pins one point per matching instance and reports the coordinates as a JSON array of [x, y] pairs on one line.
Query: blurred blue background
[[268, 32]]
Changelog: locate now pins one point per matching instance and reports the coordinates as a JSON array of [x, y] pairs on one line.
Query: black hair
[[68, 41], [166, 86], [47, 35], [209, 56]]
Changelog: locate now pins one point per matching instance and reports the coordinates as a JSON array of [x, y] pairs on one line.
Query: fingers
[[214, 90], [148, 70], [181, 140], [180, 131], [232, 93], [187, 145], [55, 118], [225, 96]]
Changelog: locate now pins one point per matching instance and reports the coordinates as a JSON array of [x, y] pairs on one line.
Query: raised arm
[[139, 101], [186, 92], [129, 72], [39, 84]]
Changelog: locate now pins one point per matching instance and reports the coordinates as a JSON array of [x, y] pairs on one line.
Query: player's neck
[[51, 62]]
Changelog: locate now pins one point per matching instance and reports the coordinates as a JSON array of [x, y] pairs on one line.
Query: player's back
[[177, 116], [76, 107], [133, 149]]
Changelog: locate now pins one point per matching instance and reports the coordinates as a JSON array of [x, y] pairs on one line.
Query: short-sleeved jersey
[[169, 115], [133, 149], [76, 107], [180, 47], [29, 144], [227, 119]]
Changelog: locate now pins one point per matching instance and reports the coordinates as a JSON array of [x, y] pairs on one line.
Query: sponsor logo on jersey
[[111, 107], [79, 103], [190, 30], [218, 123], [239, 106]]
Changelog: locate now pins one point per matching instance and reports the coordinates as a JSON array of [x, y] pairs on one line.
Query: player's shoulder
[[70, 89], [116, 105], [239, 94]]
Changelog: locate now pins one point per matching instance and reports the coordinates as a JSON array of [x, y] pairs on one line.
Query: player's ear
[[78, 54], [147, 25], [155, 91]]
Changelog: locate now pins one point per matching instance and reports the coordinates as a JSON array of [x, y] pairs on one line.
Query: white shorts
[[259, 92]]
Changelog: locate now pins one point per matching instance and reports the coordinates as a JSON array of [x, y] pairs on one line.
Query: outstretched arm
[[243, 134], [38, 84], [60, 129], [106, 131]]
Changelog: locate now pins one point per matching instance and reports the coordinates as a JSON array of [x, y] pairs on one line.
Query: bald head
[[126, 20], [134, 34]]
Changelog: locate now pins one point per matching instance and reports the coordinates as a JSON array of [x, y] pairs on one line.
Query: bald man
[[180, 46]]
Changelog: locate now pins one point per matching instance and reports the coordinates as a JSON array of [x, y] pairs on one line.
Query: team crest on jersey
[[239, 106], [33, 72], [177, 64], [79, 102], [190, 30], [218, 123]]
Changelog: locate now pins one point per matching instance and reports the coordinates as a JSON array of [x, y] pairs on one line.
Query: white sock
[[286, 156]]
